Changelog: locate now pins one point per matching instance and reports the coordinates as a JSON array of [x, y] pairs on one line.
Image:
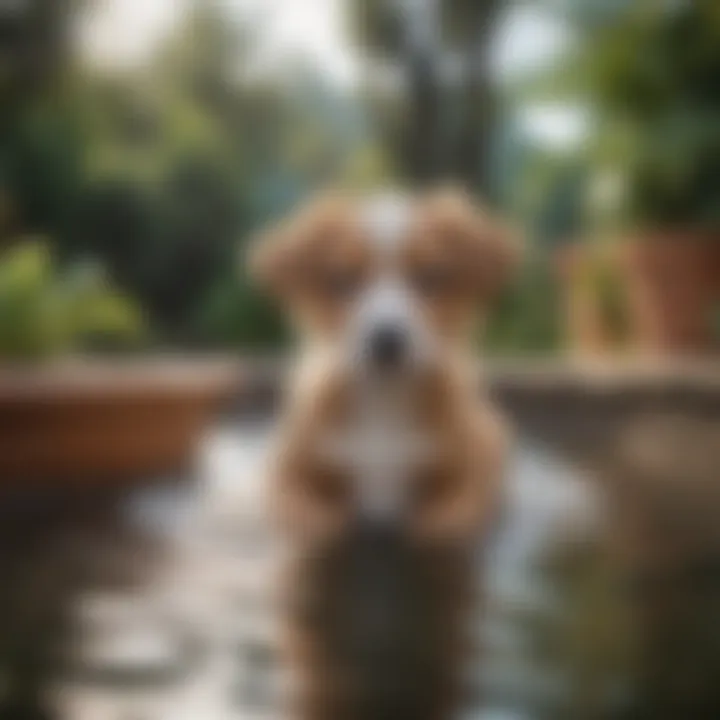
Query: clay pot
[[673, 285], [92, 422]]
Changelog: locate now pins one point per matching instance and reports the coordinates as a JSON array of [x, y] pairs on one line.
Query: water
[[196, 635]]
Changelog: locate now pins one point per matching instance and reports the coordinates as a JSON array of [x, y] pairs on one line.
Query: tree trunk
[[471, 164], [422, 134]]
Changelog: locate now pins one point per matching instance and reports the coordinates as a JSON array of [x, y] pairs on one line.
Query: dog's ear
[[268, 258], [490, 248], [279, 258]]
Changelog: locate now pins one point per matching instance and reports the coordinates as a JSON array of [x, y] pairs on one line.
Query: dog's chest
[[380, 447]]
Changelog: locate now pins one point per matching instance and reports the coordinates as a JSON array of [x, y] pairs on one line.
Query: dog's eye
[[432, 280]]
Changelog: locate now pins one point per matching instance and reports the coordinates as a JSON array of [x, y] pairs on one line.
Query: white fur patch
[[388, 300], [383, 446], [380, 448], [386, 220]]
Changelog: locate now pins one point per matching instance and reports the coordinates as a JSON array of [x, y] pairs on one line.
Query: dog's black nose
[[388, 346]]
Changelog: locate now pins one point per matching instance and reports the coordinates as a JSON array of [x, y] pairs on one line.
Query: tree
[[162, 172], [37, 47], [648, 72], [447, 123]]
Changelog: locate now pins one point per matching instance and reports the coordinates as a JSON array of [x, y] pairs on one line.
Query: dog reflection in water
[[388, 463]]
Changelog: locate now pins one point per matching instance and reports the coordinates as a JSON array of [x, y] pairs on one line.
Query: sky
[[124, 33]]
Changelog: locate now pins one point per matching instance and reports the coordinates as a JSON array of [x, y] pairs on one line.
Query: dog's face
[[389, 280]]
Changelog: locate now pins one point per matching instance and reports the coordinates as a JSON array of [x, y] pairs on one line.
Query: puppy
[[388, 464]]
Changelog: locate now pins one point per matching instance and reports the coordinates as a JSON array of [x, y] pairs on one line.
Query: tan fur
[[473, 251], [297, 260], [456, 494]]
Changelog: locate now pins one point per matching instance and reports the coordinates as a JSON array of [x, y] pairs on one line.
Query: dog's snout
[[388, 346]]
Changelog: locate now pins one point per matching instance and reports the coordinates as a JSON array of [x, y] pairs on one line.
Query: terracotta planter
[[673, 281], [97, 422]]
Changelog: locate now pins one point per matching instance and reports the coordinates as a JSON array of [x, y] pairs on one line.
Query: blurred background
[[142, 142]]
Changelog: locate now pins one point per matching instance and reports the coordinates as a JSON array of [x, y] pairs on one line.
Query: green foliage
[[600, 277], [160, 172], [41, 158], [37, 37], [527, 319], [551, 197], [648, 71], [235, 316], [44, 312]]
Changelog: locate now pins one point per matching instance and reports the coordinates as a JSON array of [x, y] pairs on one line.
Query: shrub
[[45, 311]]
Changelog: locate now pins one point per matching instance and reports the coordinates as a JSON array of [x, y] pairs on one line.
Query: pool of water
[[193, 633]]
